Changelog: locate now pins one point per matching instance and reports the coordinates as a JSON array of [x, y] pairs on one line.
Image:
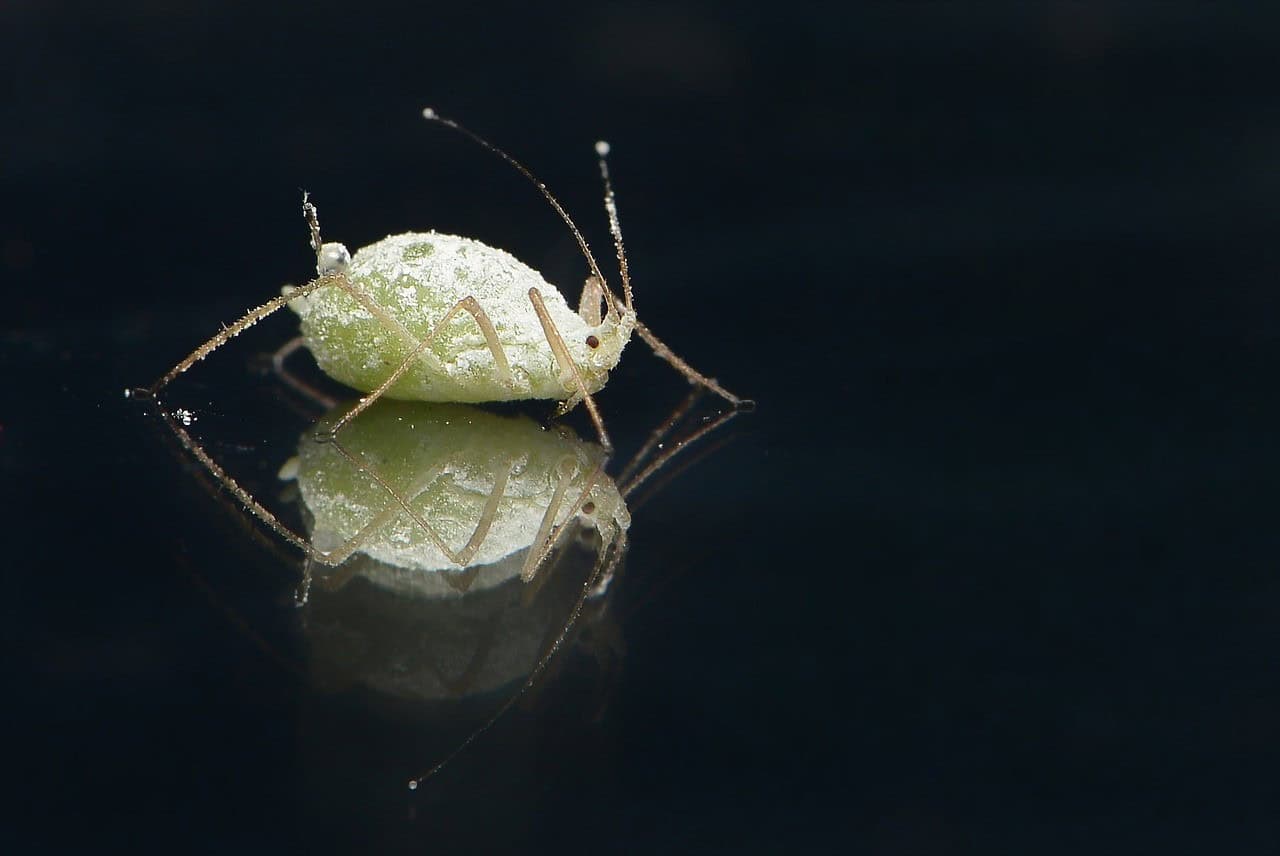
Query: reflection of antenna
[[610, 554], [612, 549]]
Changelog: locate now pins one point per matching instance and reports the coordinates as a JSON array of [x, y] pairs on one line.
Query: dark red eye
[[593, 342], [588, 508]]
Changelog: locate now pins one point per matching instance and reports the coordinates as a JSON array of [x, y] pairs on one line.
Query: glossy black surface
[[992, 567]]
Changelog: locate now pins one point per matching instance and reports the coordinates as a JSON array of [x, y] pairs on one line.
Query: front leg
[[567, 366]]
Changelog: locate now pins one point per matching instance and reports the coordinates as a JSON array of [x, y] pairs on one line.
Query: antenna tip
[[413, 784], [429, 113], [602, 148]]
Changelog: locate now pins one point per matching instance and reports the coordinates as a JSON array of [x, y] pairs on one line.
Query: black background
[[990, 569]]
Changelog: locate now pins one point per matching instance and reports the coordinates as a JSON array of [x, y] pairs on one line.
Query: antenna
[[313, 224], [615, 228], [432, 116]]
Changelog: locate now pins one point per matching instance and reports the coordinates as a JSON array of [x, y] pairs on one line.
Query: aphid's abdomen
[[411, 281]]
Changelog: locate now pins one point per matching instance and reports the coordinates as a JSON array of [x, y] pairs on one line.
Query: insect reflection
[[438, 508]]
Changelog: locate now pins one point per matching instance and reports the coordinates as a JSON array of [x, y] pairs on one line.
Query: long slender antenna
[[432, 116], [615, 228]]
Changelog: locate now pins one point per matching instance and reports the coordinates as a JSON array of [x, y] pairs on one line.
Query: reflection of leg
[[400, 504], [541, 545], [658, 434], [252, 504], [613, 546], [486, 638], [567, 365], [466, 304], [549, 534], [687, 370]]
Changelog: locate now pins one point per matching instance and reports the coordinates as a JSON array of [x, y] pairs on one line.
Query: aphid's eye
[[333, 258], [588, 508], [593, 342]]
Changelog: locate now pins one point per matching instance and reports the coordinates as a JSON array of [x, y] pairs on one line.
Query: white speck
[[128, 393], [186, 417], [602, 148], [428, 113]]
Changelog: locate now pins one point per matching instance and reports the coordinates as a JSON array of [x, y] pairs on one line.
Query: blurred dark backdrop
[[992, 567]]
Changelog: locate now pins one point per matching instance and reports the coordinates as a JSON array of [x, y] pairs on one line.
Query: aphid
[[435, 317]]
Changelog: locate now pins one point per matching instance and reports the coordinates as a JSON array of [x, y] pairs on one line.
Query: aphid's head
[[603, 509], [604, 343]]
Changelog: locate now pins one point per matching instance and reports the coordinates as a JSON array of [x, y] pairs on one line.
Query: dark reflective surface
[[991, 568]]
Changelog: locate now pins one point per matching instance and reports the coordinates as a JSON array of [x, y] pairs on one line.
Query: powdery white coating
[[445, 461], [415, 279]]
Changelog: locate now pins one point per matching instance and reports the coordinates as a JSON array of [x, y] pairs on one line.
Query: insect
[[436, 317]]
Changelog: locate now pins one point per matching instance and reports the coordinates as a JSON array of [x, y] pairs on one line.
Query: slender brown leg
[[226, 334], [297, 384], [466, 304], [567, 365], [691, 374]]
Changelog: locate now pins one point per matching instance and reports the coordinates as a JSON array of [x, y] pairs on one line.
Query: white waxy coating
[[414, 279], [446, 461]]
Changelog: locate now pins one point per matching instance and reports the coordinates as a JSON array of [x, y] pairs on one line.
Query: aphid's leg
[[590, 305], [690, 373], [567, 405], [491, 339], [226, 334], [567, 365], [297, 384], [466, 304], [459, 557]]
